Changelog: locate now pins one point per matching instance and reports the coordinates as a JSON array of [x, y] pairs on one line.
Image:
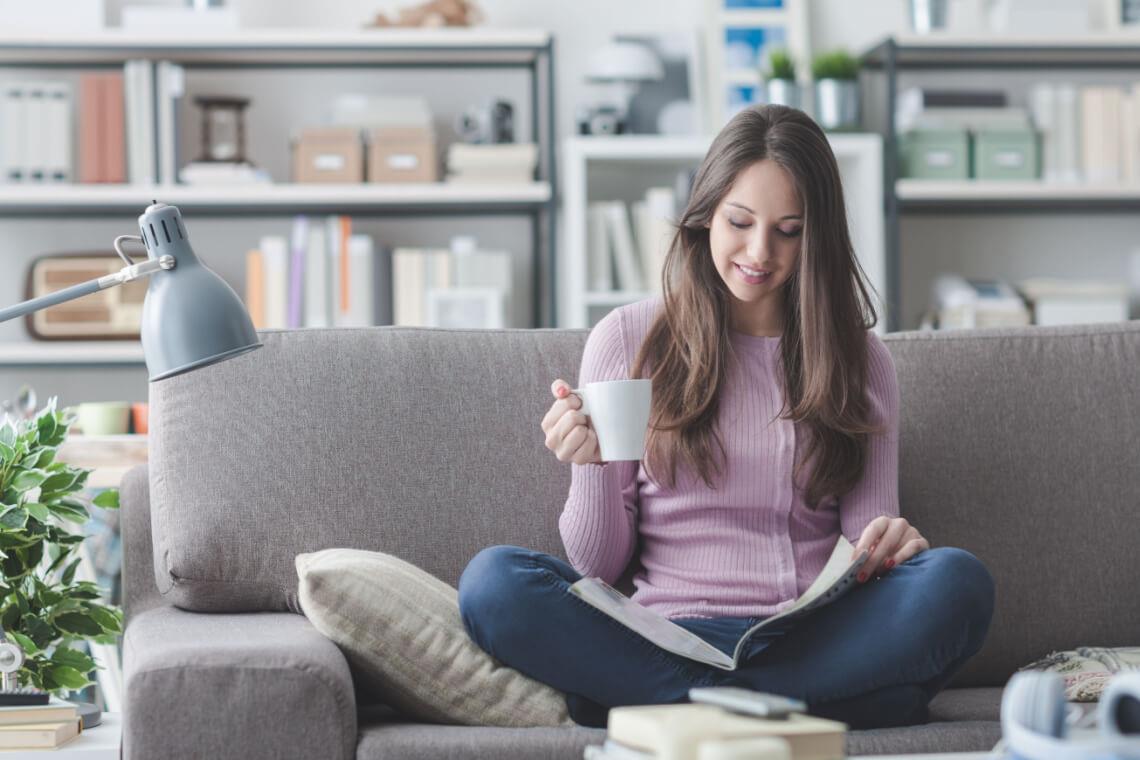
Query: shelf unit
[[860, 163], [1104, 51], [531, 51]]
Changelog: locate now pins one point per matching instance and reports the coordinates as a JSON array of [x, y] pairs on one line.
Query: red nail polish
[[862, 577], [890, 563]]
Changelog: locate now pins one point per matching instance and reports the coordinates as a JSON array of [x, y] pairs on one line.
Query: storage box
[[402, 154], [935, 154], [328, 154], [1006, 154]]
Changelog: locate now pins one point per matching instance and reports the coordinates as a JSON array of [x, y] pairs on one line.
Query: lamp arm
[[124, 275]]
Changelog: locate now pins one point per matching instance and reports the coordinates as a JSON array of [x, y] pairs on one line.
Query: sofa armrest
[[248, 686]]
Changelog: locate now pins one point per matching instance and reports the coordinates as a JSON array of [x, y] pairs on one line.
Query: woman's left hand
[[891, 541]]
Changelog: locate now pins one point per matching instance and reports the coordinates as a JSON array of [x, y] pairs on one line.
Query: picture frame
[[678, 104], [741, 33], [466, 308]]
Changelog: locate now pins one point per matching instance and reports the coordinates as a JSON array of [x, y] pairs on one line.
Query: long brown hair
[[826, 313]]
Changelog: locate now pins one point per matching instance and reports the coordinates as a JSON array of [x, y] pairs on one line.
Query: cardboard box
[[328, 154], [401, 154]]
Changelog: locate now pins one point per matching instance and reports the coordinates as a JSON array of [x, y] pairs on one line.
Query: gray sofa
[[1019, 445]]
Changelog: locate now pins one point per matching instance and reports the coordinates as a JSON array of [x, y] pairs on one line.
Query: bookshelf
[[940, 53], [637, 157], [441, 55]]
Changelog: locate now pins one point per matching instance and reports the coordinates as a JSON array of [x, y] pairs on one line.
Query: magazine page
[[837, 577], [653, 626]]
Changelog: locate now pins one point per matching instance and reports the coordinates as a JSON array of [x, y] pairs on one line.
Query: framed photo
[[676, 105], [742, 33], [473, 308]]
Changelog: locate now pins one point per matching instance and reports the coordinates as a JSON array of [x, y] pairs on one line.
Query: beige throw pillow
[[400, 629]]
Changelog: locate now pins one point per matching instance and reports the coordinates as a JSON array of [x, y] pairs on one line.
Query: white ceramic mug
[[619, 413]]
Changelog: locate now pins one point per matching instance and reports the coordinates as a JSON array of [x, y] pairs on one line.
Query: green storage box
[[1006, 154], [935, 154]]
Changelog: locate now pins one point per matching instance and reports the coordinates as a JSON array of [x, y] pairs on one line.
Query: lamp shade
[[191, 317], [624, 61]]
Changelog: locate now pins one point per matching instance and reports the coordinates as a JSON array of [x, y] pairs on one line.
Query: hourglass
[[223, 129]]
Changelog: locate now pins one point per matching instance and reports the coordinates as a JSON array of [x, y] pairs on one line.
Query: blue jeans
[[873, 658]]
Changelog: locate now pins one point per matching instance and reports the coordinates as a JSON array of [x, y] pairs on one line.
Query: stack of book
[[499, 163], [102, 132], [35, 132], [689, 731], [39, 726], [461, 287], [628, 245], [1057, 301], [321, 276]]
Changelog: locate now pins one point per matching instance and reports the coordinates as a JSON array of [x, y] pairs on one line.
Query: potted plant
[[780, 80], [836, 75], [43, 609]]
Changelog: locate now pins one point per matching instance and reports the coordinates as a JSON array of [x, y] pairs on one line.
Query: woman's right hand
[[569, 433]]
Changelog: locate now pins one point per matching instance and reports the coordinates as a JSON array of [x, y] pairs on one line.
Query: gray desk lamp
[[191, 317]]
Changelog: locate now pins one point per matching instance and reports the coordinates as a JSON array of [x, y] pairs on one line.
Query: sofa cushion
[[400, 630], [410, 741]]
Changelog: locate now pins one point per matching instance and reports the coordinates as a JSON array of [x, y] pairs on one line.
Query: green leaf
[[41, 632], [108, 499], [65, 677], [73, 658], [38, 511], [69, 573], [106, 619], [46, 425], [44, 460], [25, 643], [60, 481], [7, 453], [84, 591], [7, 433], [78, 623], [77, 514], [27, 480], [14, 518]]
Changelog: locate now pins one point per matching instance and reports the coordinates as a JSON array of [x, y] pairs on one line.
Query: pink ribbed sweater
[[750, 547]]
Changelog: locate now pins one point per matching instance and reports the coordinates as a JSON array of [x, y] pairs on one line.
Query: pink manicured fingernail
[[862, 577], [562, 392], [890, 563]]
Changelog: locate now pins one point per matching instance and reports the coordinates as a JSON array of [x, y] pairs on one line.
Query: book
[[679, 730], [362, 281], [275, 268], [600, 267], [39, 735], [621, 243], [255, 288], [836, 579], [171, 85], [55, 710]]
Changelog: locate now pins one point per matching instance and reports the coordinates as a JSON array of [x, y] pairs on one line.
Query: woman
[[774, 430]]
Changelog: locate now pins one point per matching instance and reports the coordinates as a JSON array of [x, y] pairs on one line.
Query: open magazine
[[838, 576]]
